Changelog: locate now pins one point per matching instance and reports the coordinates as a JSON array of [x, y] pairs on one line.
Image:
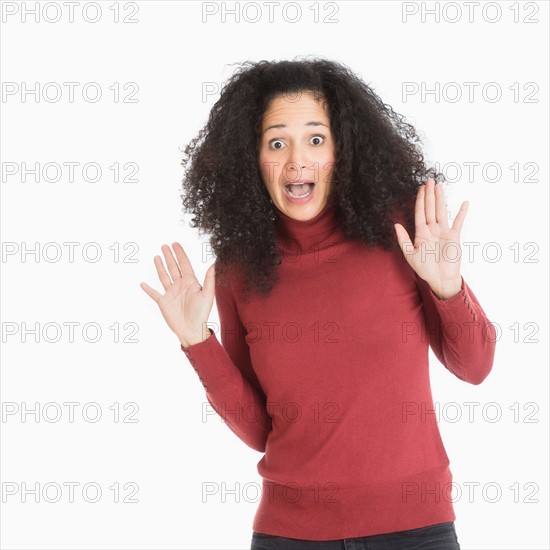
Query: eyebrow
[[310, 123]]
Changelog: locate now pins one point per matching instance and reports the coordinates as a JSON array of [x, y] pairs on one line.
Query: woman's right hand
[[186, 304]]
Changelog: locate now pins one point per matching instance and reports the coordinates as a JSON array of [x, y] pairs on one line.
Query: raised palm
[[441, 270], [186, 305]]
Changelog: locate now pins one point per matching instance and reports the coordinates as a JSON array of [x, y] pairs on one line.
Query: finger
[[156, 296], [163, 275], [430, 202], [441, 206], [459, 219], [173, 267], [185, 267], [419, 213]]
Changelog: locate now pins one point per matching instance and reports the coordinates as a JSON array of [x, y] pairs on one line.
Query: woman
[[300, 176]]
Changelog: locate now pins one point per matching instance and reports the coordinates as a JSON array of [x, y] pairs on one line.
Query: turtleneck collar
[[316, 233]]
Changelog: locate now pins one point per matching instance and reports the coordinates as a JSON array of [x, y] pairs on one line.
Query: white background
[[171, 52]]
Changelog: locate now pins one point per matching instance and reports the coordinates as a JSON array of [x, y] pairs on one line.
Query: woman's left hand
[[436, 253]]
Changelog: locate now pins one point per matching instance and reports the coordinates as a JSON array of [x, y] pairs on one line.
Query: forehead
[[295, 106]]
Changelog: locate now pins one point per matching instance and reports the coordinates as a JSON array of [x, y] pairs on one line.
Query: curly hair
[[377, 171]]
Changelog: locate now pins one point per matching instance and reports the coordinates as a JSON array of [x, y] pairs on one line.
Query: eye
[[274, 141], [317, 137]]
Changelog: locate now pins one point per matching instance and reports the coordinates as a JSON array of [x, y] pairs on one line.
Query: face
[[297, 144]]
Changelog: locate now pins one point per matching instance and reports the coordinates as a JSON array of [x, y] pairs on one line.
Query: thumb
[[401, 234], [405, 243], [209, 280]]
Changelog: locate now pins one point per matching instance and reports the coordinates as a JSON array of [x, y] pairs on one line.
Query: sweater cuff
[[460, 304], [206, 355], [193, 346]]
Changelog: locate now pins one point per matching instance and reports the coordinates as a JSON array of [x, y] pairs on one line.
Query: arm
[[461, 336], [226, 373]]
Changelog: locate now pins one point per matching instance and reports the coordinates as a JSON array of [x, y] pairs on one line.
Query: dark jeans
[[441, 536]]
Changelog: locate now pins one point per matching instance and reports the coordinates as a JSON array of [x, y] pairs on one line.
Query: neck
[[319, 232]]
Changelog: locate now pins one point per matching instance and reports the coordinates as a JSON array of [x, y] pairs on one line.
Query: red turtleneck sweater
[[328, 376]]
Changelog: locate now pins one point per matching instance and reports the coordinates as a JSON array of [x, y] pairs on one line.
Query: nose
[[296, 162]]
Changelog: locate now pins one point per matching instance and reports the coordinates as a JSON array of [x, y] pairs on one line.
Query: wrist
[[188, 342], [448, 290]]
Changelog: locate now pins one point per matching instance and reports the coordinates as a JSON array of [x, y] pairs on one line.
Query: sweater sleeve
[[226, 373], [460, 335]]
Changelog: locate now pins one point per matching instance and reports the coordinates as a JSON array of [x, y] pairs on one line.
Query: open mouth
[[299, 190]]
